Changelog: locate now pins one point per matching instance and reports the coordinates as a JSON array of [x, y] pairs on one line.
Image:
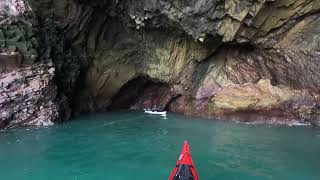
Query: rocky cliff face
[[28, 93], [28, 97], [256, 59]]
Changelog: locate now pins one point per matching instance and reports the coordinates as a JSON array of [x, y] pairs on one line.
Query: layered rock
[[17, 32], [28, 96], [196, 49], [207, 58], [28, 93], [261, 101]]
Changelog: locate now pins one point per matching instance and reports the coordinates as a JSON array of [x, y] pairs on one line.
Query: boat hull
[[156, 112]]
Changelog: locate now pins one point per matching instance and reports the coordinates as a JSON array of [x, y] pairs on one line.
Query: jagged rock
[[171, 59], [197, 48], [211, 57], [28, 96], [28, 93], [261, 101], [17, 30]]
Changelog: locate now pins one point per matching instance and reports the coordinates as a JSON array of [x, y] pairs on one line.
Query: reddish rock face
[[155, 97], [143, 93], [10, 61], [252, 102], [205, 58], [28, 96], [190, 106]]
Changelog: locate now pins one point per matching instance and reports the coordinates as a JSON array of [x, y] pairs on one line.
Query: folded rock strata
[[198, 57]]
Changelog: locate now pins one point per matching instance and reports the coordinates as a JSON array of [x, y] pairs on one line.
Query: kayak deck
[[184, 169]]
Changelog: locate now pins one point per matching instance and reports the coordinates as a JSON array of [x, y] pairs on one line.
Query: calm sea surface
[[127, 145]]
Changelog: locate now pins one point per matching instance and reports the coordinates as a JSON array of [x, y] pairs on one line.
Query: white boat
[[163, 113]]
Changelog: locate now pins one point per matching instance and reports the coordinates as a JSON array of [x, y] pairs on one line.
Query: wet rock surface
[[263, 101], [216, 58], [255, 60], [27, 96], [266, 50], [28, 91], [143, 93]]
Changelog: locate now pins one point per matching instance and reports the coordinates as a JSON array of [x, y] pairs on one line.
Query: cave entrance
[[141, 93]]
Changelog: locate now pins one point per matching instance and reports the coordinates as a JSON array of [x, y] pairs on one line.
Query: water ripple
[[133, 145]]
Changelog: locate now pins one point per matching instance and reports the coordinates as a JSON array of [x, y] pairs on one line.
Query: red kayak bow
[[185, 169]]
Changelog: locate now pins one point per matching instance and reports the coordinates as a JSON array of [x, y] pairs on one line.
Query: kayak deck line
[[184, 169]]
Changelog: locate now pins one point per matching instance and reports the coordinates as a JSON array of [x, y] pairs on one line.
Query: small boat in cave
[[184, 169], [162, 113]]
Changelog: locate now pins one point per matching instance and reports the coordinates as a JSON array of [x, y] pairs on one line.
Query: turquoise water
[[132, 145]]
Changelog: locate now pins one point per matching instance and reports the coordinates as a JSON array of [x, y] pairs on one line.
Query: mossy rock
[[12, 48], [22, 47], [32, 52], [2, 40], [11, 42], [2, 36], [2, 44], [11, 31], [34, 42]]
